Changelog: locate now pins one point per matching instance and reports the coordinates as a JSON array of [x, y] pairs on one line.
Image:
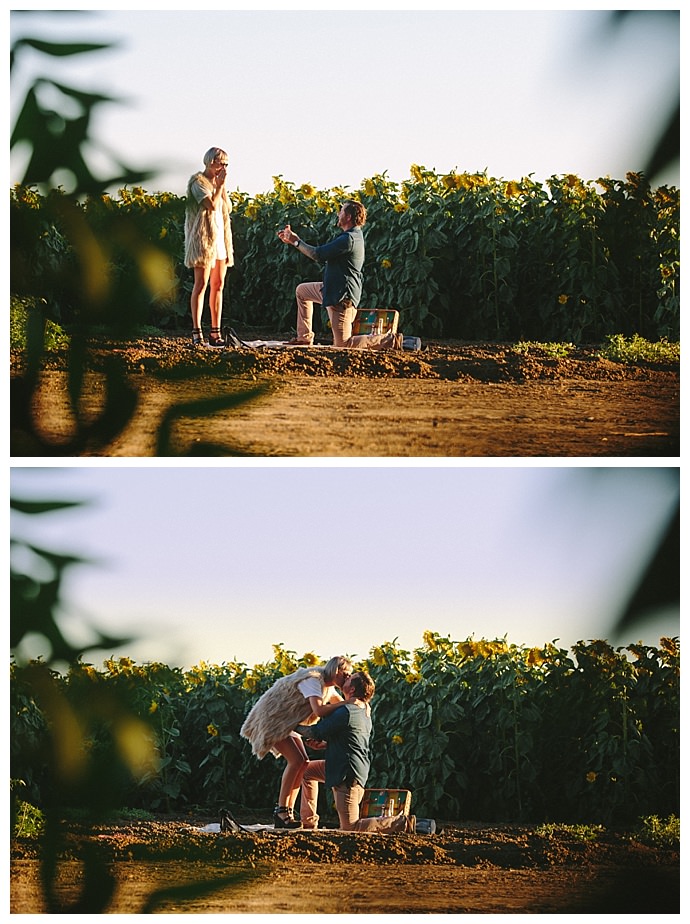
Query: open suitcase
[[376, 802], [376, 321]]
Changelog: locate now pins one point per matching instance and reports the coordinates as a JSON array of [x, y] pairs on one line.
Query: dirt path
[[450, 401], [465, 867], [341, 888], [409, 418]]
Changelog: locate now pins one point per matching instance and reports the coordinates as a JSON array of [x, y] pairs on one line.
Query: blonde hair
[[213, 154], [333, 666]]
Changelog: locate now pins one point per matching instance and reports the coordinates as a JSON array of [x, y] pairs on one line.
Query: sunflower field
[[459, 255], [477, 730]]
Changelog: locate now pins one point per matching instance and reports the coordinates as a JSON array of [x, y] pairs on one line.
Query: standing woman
[[293, 700], [208, 241]]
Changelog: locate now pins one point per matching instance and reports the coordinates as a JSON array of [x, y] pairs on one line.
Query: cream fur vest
[[277, 711], [200, 228]]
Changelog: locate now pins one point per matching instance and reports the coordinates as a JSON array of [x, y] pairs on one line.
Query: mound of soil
[[447, 360], [460, 844], [464, 867], [449, 399]]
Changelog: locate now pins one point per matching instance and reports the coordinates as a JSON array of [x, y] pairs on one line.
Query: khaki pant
[[341, 320], [347, 802]]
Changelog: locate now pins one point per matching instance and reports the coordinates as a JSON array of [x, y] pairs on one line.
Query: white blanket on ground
[[255, 344], [214, 828]]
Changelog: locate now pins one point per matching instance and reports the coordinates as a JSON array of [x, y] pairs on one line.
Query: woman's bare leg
[[215, 300], [295, 754], [201, 276]]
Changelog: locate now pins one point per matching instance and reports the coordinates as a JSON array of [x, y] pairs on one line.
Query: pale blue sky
[[218, 563], [332, 98]]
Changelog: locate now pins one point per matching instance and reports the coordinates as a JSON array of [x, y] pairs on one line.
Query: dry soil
[[450, 399], [168, 866]]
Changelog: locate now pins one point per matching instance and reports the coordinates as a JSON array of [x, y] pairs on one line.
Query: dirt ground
[[464, 868], [450, 399]]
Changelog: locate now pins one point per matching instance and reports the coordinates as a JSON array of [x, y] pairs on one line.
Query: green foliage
[[586, 833], [636, 349], [470, 256], [488, 730], [79, 745], [478, 730], [111, 816], [29, 821], [133, 814], [58, 138], [617, 348], [36, 577], [553, 350], [459, 255], [22, 314], [659, 832]]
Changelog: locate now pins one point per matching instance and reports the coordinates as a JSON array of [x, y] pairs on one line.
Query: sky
[[332, 98], [218, 563]]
